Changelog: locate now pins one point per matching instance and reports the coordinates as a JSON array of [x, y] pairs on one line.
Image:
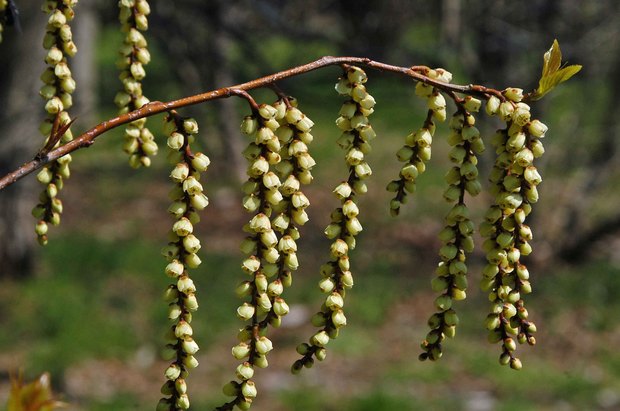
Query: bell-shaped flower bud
[[287, 244], [192, 186], [245, 371], [241, 351], [251, 264], [263, 345], [260, 223], [179, 173], [339, 248], [354, 226], [334, 301], [248, 389], [343, 190], [537, 129], [505, 110], [173, 372], [189, 346], [305, 162], [191, 243], [320, 339], [513, 94], [249, 125], [280, 307], [492, 105], [174, 269], [472, 104], [339, 319], [259, 167], [356, 75], [183, 227], [275, 288], [186, 285], [269, 238], [266, 111], [436, 102], [300, 216], [245, 311]]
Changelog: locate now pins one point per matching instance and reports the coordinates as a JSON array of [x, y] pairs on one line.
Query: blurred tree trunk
[[83, 65], [221, 75], [22, 61], [451, 24]]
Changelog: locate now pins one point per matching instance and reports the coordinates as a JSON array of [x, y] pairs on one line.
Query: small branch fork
[[156, 107]]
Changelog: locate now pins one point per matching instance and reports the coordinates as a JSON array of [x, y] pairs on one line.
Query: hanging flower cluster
[[181, 253], [417, 149], [515, 180], [57, 89], [336, 274], [139, 141], [451, 279], [278, 164], [415, 154]]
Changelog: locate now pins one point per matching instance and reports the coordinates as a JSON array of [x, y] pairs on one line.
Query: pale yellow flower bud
[[245, 312], [436, 102], [343, 190], [320, 339], [339, 248], [241, 350], [199, 201], [472, 104], [267, 112], [245, 371], [54, 105], [173, 372], [280, 307], [179, 173], [513, 94], [174, 268], [354, 226], [521, 115], [271, 180], [505, 111], [259, 167], [299, 200], [537, 129], [269, 238], [287, 244], [251, 264]]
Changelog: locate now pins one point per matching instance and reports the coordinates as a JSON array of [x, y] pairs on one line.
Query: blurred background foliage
[[87, 308]]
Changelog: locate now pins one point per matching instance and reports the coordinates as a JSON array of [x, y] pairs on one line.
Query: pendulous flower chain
[[188, 198], [139, 143], [58, 85]]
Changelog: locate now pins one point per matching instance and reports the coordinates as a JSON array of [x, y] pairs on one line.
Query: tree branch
[[156, 107]]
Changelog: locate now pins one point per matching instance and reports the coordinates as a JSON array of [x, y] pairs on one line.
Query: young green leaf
[[552, 74]]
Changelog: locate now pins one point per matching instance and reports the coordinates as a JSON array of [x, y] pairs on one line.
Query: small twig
[[156, 107], [245, 95], [55, 135], [281, 94]]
